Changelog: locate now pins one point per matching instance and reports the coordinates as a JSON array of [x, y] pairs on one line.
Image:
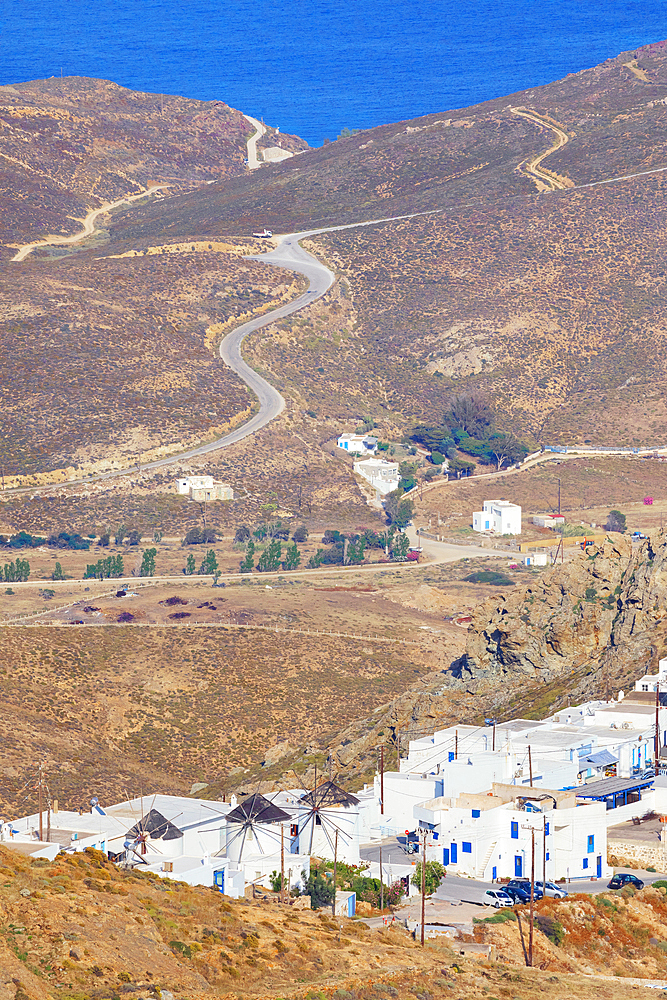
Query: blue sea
[[314, 68]]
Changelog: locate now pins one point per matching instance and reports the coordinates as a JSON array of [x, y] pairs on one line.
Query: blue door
[[494, 874], [454, 853], [445, 856], [518, 866], [599, 866]]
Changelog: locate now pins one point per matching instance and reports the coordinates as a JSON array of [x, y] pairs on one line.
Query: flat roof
[[611, 786]]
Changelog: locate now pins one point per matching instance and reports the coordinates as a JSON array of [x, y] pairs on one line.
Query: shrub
[[551, 928], [200, 536], [489, 576], [104, 539], [58, 572], [242, 535], [300, 534], [433, 876], [134, 537], [66, 540]]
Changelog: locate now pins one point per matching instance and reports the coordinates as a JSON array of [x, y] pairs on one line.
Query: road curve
[[293, 257], [88, 223], [251, 144]]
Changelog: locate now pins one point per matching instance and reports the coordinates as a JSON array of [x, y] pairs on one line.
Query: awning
[[603, 758]]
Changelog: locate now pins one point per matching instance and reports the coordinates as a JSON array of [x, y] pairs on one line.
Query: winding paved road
[[251, 144], [293, 257]]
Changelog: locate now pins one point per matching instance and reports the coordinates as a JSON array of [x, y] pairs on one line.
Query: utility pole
[[493, 745], [530, 766], [656, 763], [544, 856], [41, 828], [532, 898], [282, 863], [333, 905], [381, 884], [382, 780], [456, 744], [423, 887], [559, 496]]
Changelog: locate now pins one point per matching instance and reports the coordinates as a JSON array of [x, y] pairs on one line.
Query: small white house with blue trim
[[358, 444], [489, 835]]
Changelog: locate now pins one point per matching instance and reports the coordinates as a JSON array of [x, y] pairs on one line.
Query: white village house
[[358, 444], [204, 489], [383, 476], [498, 517]]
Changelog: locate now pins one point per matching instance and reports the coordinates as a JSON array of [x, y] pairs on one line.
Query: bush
[[433, 876], [489, 576], [300, 534], [318, 888], [242, 535], [65, 540], [200, 536], [104, 539], [22, 540], [134, 537], [551, 928]]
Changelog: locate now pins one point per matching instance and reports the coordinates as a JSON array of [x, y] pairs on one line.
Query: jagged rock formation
[[599, 610]]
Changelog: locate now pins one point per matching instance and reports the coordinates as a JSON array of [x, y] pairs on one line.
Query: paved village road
[[251, 145]]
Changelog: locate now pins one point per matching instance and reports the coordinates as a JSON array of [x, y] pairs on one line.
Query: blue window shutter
[[546, 829], [514, 830], [476, 813], [466, 847], [450, 755], [591, 844], [585, 865]]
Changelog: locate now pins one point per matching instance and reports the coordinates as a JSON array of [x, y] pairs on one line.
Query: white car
[[551, 889], [497, 898]]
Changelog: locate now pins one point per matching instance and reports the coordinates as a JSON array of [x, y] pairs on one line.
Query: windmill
[[251, 821], [321, 806]]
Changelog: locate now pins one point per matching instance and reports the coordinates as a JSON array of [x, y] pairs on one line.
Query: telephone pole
[[381, 884], [456, 744], [656, 763], [530, 765], [41, 806], [532, 898], [493, 746], [333, 905], [423, 887], [282, 863], [382, 780]]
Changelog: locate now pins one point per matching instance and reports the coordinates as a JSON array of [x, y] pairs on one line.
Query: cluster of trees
[[200, 536], [272, 557], [347, 550], [399, 509], [148, 563], [67, 540], [17, 572], [21, 540], [469, 425], [271, 530], [616, 521], [319, 885], [209, 565], [104, 569]]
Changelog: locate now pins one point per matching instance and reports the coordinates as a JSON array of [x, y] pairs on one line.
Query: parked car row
[[517, 891]]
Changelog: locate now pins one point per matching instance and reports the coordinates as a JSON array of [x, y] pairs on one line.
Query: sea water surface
[[314, 67]]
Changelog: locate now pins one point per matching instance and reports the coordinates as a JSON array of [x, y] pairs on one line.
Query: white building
[[327, 822], [651, 682], [489, 835], [358, 444], [548, 520], [383, 476], [499, 517], [204, 489], [536, 559]]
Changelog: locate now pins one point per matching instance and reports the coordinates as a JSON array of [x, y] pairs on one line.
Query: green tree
[[399, 549], [434, 873], [189, 565], [17, 572], [292, 557], [319, 889], [148, 563], [209, 564], [120, 534], [399, 510], [270, 557], [471, 412], [316, 560], [58, 573], [356, 551], [408, 474], [300, 534], [615, 521], [242, 535], [248, 564]]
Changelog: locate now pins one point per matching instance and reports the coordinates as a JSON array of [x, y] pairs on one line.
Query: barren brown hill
[[73, 144], [88, 929]]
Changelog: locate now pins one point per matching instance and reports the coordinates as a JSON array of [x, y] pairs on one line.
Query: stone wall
[[629, 854]]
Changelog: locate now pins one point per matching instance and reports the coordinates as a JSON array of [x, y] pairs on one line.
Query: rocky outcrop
[[599, 611]]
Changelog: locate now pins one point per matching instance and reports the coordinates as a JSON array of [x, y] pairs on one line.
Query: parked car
[[497, 898], [524, 885], [551, 889], [519, 895], [623, 878]]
